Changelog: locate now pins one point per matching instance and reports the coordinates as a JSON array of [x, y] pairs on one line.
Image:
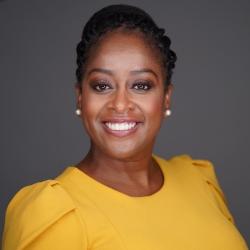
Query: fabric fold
[[46, 201]]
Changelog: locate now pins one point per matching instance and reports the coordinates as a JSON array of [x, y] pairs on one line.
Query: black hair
[[128, 17]]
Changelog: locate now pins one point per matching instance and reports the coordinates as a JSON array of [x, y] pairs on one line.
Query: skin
[[123, 163]]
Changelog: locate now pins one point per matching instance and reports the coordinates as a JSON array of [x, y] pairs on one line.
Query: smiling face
[[122, 95]]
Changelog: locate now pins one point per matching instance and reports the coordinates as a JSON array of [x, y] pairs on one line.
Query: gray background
[[40, 134]]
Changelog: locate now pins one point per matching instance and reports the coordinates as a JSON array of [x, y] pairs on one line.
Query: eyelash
[[149, 86]]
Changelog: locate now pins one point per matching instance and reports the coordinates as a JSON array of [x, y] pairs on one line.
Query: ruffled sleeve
[[207, 171], [42, 216]]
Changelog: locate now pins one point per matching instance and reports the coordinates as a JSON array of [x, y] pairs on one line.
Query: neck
[[139, 168]]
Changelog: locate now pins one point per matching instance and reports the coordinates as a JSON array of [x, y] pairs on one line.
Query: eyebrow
[[144, 70], [133, 72], [101, 70]]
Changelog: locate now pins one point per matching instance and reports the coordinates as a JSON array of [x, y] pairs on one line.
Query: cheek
[[153, 110], [91, 108], [153, 107]]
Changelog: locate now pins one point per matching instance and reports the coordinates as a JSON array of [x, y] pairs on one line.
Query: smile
[[121, 129], [120, 126]]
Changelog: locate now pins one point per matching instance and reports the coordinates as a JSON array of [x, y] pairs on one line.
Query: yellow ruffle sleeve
[[207, 171], [42, 216]]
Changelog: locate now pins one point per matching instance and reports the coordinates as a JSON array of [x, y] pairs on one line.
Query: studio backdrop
[[40, 133]]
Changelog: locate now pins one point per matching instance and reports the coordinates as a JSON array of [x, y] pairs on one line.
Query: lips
[[120, 120], [121, 127]]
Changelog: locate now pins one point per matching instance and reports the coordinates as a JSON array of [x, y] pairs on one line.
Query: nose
[[121, 101]]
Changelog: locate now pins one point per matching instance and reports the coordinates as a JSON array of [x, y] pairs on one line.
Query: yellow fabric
[[76, 212]]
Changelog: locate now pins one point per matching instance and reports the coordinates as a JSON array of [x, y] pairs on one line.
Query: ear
[[167, 98], [78, 91]]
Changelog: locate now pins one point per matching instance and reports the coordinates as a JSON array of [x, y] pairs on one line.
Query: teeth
[[120, 126]]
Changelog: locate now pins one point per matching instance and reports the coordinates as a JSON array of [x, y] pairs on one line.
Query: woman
[[121, 196]]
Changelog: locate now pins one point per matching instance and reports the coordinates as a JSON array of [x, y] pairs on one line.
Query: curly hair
[[130, 18]]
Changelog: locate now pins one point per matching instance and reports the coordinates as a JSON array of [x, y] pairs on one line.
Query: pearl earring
[[78, 112], [168, 112]]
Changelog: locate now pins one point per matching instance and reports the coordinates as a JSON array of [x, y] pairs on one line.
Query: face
[[122, 95]]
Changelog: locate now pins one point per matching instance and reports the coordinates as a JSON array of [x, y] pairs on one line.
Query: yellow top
[[76, 212]]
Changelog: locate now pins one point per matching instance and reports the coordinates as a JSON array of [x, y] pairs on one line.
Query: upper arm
[[207, 170], [64, 234], [43, 217]]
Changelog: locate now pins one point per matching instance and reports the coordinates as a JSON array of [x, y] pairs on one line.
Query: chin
[[122, 152]]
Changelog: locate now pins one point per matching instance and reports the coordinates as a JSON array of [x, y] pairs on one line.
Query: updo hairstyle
[[127, 18]]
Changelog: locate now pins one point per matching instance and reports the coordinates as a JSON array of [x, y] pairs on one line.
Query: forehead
[[124, 49]]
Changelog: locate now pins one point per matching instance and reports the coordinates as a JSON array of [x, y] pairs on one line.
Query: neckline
[[82, 177]]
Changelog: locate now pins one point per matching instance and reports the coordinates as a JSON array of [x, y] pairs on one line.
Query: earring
[[78, 112], [168, 112]]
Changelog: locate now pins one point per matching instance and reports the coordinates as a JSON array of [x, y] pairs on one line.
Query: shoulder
[[36, 210], [205, 168], [206, 171], [185, 161]]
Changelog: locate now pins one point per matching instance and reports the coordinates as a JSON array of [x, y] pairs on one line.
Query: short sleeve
[[207, 170], [42, 216]]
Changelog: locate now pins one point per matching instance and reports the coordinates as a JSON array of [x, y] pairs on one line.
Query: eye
[[144, 86], [100, 86]]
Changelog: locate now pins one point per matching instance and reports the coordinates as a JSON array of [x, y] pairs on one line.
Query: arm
[[43, 217], [208, 173]]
